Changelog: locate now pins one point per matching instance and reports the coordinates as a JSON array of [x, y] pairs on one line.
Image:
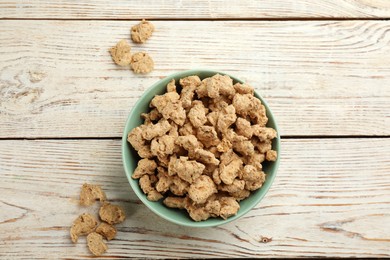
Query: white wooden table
[[323, 67]]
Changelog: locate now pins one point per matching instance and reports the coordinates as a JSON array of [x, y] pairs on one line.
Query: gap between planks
[[118, 138], [272, 19]]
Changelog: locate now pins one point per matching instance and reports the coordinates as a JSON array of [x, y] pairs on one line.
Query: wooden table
[[323, 67]]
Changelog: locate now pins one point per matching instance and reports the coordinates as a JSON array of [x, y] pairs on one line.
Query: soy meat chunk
[[164, 180], [120, 53], [225, 145], [248, 105], [82, 225], [212, 118], [264, 133], [188, 142], [208, 136], [146, 184], [189, 85], [141, 63], [197, 114], [187, 129], [171, 86], [262, 146], [96, 244], [243, 127], [226, 118], [236, 186], [229, 172], [225, 85], [142, 31], [245, 148], [240, 195], [144, 166], [216, 178], [205, 156], [229, 207], [213, 207], [112, 214], [156, 130], [187, 170], [178, 187], [154, 195], [153, 115], [139, 143], [219, 103], [202, 188], [243, 88], [254, 178], [175, 202], [271, 155], [170, 106], [162, 146], [106, 230], [197, 213], [91, 193], [233, 136], [216, 85], [255, 160]]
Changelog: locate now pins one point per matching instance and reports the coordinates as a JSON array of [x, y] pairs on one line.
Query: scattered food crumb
[[106, 230], [142, 31], [86, 224], [90, 193], [96, 244], [142, 63], [83, 225], [112, 214], [120, 53]]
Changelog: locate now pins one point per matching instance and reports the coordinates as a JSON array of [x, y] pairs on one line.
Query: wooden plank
[[330, 198], [319, 77], [210, 9]]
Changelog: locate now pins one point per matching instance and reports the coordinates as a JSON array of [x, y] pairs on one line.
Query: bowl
[[130, 157]]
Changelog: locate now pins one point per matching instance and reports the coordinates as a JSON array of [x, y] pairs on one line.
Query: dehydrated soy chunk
[[96, 244], [197, 114], [271, 155], [175, 202], [106, 230], [142, 31], [144, 166], [90, 193], [120, 53], [83, 225], [169, 105], [141, 62], [155, 130], [112, 214], [187, 170], [202, 188], [230, 171], [139, 143], [229, 207]]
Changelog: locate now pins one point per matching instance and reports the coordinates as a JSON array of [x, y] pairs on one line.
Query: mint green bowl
[[130, 157]]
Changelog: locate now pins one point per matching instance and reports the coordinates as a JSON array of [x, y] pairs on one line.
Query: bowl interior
[[130, 157]]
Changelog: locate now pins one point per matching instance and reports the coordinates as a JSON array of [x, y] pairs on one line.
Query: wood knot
[[265, 239], [36, 76]]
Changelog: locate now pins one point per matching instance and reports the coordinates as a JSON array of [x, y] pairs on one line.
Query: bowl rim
[[146, 202]]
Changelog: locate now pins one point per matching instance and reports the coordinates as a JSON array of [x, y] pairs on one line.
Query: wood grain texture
[[319, 77], [185, 9], [330, 198]]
